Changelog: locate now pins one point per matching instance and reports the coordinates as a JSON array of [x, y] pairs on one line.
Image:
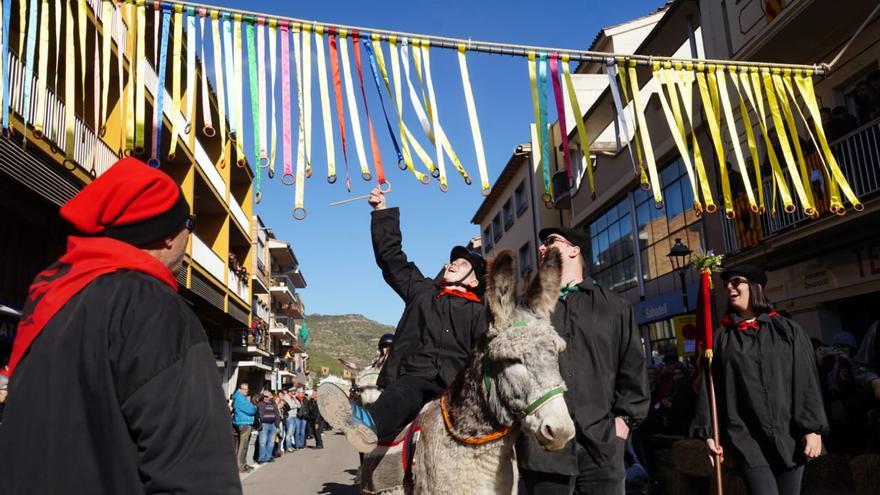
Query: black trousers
[[400, 402], [592, 478], [762, 480], [318, 428]]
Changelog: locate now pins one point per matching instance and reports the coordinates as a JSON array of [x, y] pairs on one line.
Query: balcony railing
[[251, 341], [238, 285], [260, 311], [858, 155], [207, 259]]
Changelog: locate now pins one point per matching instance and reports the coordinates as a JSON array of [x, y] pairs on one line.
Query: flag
[[704, 314]]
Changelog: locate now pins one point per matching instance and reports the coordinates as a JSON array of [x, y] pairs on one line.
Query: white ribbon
[[325, 105], [352, 106], [261, 90]]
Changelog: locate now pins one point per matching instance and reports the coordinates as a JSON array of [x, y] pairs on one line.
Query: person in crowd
[[845, 401], [106, 338], [677, 408], [867, 360], [305, 413], [604, 368], [316, 421], [442, 320], [867, 102], [278, 448], [843, 121], [269, 419], [770, 409], [299, 435], [243, 411], [290, 420]]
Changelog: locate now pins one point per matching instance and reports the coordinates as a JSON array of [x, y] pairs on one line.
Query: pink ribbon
[[560, 111], [287, 177]]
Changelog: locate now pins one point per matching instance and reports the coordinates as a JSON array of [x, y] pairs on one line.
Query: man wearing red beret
[[113, 386]]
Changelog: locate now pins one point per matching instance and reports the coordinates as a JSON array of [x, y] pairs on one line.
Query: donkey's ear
[[543, 291], [350, 365], [501, 288]]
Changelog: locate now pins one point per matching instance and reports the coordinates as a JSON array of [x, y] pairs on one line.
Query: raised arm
[[400, 273]]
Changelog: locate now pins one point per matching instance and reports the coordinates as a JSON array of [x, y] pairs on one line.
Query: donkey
[[365, 379], [511, 383]]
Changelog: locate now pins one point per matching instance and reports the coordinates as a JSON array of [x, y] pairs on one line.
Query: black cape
[[767, 392], [604, 368], [435, 335], [118, 395]]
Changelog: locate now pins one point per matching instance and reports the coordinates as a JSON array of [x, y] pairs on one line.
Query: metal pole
[[684, 292]]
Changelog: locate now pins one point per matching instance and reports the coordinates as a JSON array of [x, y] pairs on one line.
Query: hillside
[[352, 337]]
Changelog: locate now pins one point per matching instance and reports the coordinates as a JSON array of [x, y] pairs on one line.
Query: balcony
[[294, 309], [858, 155], [238, 285], [283, 326], [259, 309], [252, 344], [207, 259], [282, 288], [238, 215], [260, 362]]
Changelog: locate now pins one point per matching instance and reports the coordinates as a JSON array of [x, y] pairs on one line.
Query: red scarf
[[744, 325], [86, 259], [470, 296]]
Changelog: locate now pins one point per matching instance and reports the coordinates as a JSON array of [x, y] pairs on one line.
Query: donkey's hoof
[[350, 418]]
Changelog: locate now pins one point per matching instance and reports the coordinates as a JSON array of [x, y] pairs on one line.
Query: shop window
[[611, 259]]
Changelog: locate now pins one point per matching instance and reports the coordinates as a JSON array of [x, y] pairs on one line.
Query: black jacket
[[604, 368], [435, 335], [118, 394], [767, 391]]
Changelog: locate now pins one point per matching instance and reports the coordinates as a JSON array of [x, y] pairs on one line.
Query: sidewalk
[[329, 471]]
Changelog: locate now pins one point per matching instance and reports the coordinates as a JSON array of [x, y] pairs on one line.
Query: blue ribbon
[[369, 48], [7, 11], [545, 134], [30, 47], [160, 96]]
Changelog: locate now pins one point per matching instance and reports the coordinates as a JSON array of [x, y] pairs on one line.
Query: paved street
[[328, 471]]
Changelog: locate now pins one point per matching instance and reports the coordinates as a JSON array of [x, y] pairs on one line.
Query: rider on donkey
[[442, 319]]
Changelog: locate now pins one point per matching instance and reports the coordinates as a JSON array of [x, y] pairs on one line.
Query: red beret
[[131, 202]]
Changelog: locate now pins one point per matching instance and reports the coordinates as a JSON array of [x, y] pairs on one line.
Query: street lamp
[[680, 257]]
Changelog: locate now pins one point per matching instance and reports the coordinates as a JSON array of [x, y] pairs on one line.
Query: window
[[487, 239], [525, 260], [519, 197], [658, 228], [507, 210], [662, 335], [611, 259], [496, 226]]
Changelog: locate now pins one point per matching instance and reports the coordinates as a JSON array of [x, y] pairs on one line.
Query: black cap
[[577, 237], [753, 273], [476, 260], [386, 340]]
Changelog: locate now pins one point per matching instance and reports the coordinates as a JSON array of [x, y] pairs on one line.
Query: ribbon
[[805, 87], [59, 10], [307, 94], [4, 65], [325, 105], [42, 71], [120, 80], [474, 121], [228, 52], [218, 80], [684, 81], [352, 107], [536, 110], [734, 138], [176, 79], [256, 103], [560, 114], [157, 21], [27, 81], [192, 86], [715, 130], [22, 23], [160, 91], [435, 117], [140, 72], [643, 176], [261, 90], [107, 29], [809, 209], [129, 109], [413, 96], [299, 211], [273, 42], [372, 57], [750, 139], [69, 90], [238, 95], [544, 124], [417, 58], [644, 136], [337, 95], [579, 121], [287, 173], [82, 24], [96, 107], [374, 145], [208, 123]]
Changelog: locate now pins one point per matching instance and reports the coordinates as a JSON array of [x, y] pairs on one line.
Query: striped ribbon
[[176, 77], [536, 112], [579, 121], [299, 211], [417, 106], [273, 50], [120, 80], [352, 107], [107, 29], [261, 91], [337, 95], [4, 73], [82, 24], [207, 120], [42, 71], [191, 85], [368, 46], [140, 96], [256, 108], [287, 152], [218, 81], [474, 121], [307, 94], [639, 154], [374, 145], [645, 138], [158, 108], [560, 115], [325, 105], [544, 127], [238, 100], [32, 28]]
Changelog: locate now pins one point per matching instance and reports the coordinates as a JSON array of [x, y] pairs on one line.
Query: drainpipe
[[536, 225]]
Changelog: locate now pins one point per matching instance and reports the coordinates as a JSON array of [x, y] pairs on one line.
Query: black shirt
[[767, 391]]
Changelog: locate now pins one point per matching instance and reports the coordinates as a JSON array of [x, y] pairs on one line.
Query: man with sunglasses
[[106, 339], [442, 319], [604, 369]]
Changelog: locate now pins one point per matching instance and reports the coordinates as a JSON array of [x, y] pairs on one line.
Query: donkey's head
[[523, 351], [364, 381]]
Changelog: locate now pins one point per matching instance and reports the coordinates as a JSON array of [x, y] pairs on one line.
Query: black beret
[[753, 273]]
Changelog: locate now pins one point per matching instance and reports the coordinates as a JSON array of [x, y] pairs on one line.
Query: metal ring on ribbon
[[331, 179], [730, 215], [443, 187], [93, 172], [171, 156], [857, 207], [424, 179], [140, 150], [187, 128], [264, 162], [258, 196], [789, 208], [401, 164], [129, 151], [711, 208], [385, 190], [755, 209], [645, 187], [209, 131], [288, 179], [468, 180], [38, 134], [299, 213], [232, 137], [271, 174], [435, 173], [69, 164], [6, 132], [103, 131], [153, 162], [241, 162], [486, 191], [367, 176], [308, 173], [659, 204], [841, 212], [810, 211], [546, 198]]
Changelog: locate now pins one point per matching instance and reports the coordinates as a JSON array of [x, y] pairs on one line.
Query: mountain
[[352, 337]]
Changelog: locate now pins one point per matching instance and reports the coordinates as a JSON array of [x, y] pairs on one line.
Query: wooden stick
[[349, 200], [713, 407]]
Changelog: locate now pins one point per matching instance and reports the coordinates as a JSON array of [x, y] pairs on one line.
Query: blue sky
[[333, 243]]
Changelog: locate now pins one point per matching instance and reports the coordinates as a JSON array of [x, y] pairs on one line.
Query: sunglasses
[[549, 241], [190, 223], [737, 281]]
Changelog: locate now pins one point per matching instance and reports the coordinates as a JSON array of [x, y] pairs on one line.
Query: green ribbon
[[568, 289], [255, 104]]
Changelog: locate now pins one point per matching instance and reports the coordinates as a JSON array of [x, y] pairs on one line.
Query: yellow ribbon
[[325, 105], [237, 99], [59, 12], [106, 38], [475, 124], [120, 79], [406, 137], [307, 96], [192, 86], [645, 137], [417, 59], [218, 80], [779, 125], [684, 81], [69, 89], [734, 138], [83, 24], [750, 139], [176, 78], [42, 70], [352, 105], [140, 88], [414, 97], [805, 86], [756, 101], [22, 25], [714, 119], [782, 97], [579, 121], [536, 111], [273, 42], [435, 118], [640, 155], [130, 110]]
